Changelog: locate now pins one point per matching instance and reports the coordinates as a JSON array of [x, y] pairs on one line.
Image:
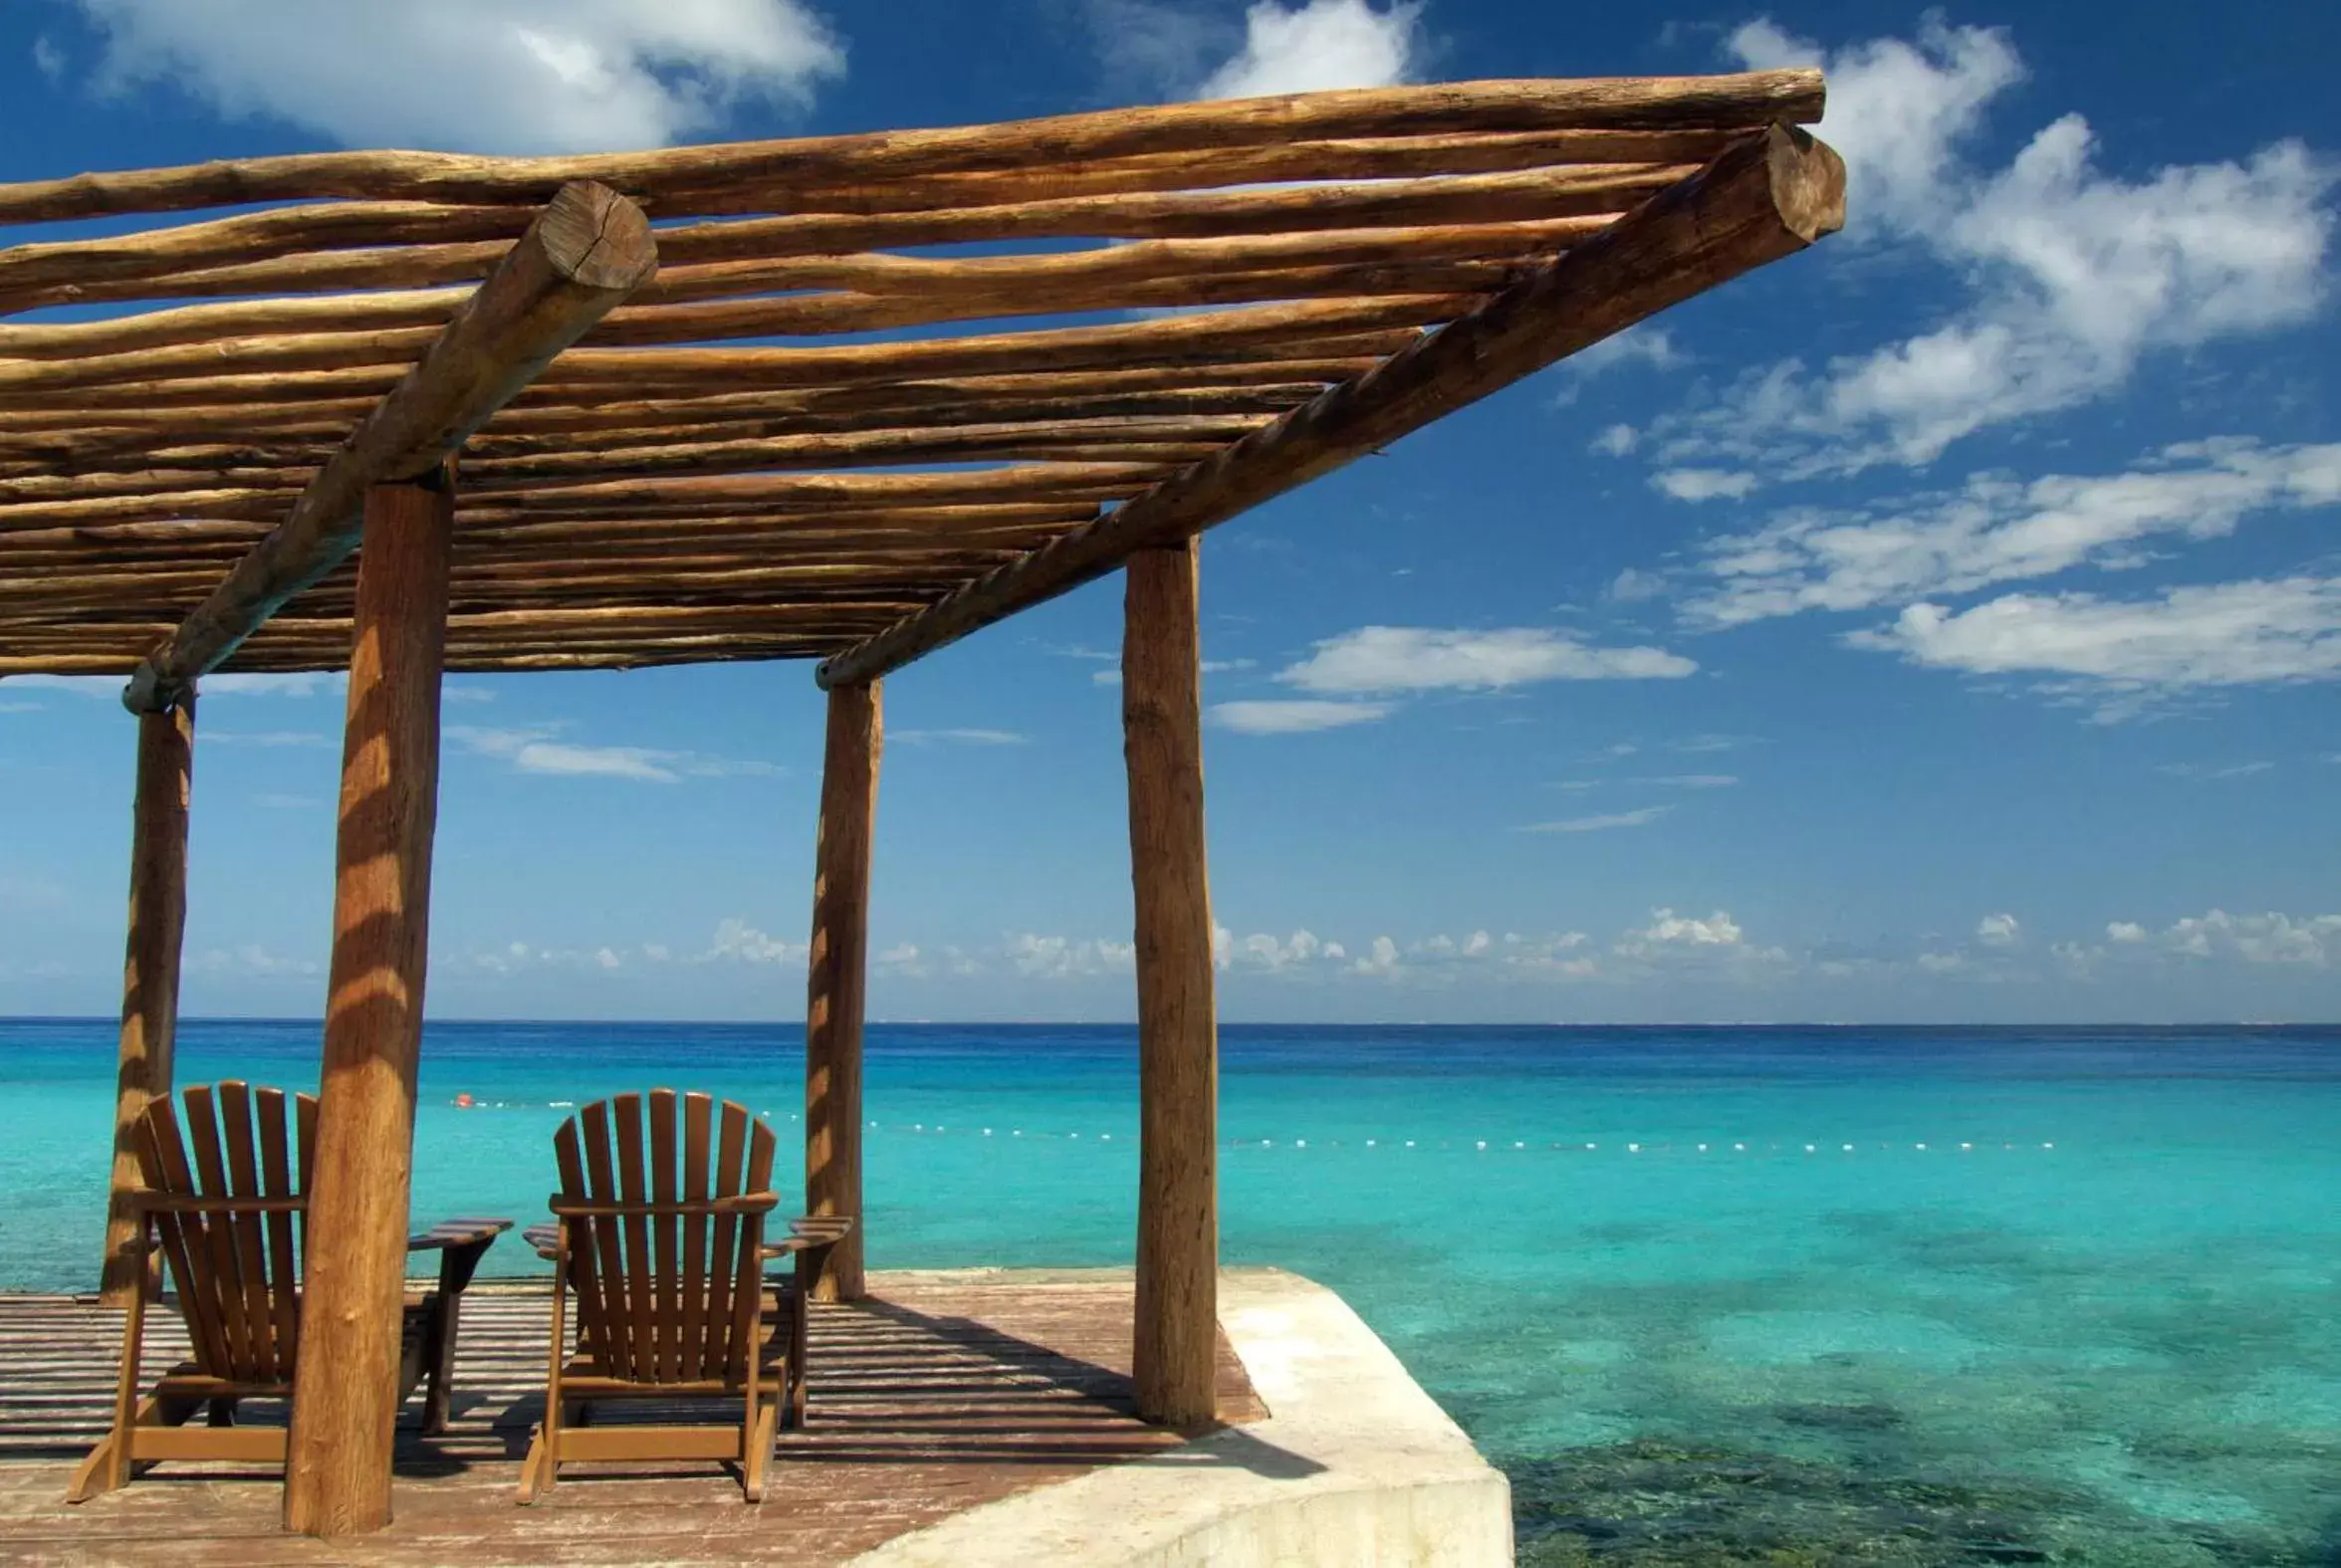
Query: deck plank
[[937, 1395]]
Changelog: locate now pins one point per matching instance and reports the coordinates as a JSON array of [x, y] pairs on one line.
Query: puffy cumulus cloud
[[2121, 657], [1272, 954], [1319, 44], [1389, 660], [1997, 529], [2268, 938], [483, 76], [1062, 958], [1668, 929], [251, 961], [960, 737], [1998, 931], [738, 942], [2068, 276]]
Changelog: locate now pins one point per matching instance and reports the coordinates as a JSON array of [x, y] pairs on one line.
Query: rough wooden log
[[1176, 1324], [777, 169], [346, 1396], [1765, 198], [583, 254], [658, 314], [837, 976], [151, 977]]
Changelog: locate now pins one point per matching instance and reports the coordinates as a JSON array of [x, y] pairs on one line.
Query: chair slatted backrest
[[662, 1294], [237, 1269]]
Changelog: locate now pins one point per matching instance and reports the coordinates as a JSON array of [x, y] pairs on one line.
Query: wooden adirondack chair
[[226, 1225], [659, 1234]]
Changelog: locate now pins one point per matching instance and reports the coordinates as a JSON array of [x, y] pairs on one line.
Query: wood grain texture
[[1178, 1033], [837, 976], [584, 253], [345, 1400], [780, 170], [934, 1395], [1765, 198], [150, 970]]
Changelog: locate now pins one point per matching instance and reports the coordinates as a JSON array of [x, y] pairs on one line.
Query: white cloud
[[1317, 45], [739, 942], [2272, 937], [1063, 958], [534, 749], [1998, 530], [1208, 666], [272, 738], [1377, 660], [48, 59], [1703, 484], [2069, 276], [486, 76], [251, 961], [1667, 928], [1294, 716], [20, 706], [1641, 816], [2211, 771], [307, 684], [1616, 441], [1998, 931], [2122, 656], [1633, 585], [1693, 781], [959, 736]]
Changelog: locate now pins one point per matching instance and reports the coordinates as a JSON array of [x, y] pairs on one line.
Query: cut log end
[[598, 238], [1807, 183]]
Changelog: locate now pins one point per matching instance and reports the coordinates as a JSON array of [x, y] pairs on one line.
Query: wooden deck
[[937, 1395]]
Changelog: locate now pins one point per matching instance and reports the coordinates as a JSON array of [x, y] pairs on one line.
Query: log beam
[[150, 974], [837, 976], [346, 1393], [586, 250], [1175, 1332], [1769, 196]]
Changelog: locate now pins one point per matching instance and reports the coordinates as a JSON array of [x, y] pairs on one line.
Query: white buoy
[[987, 1132], [1410, 1142], [2049, 1146], [1633, 1148], [1519, 1146], [1369, 1143], [1592, 1146], [1703, 1148], [1966, 1148], [1301, 1143], [1808, 1148], [1922, 1148], [1849, 1148], [1482, 1145], [1738, 1148]]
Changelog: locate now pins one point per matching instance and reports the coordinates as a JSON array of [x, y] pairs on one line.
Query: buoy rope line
[[1713, 1146]]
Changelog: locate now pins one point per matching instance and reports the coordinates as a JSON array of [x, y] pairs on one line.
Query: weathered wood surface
[[346, 1394], [587, 250], [1178, 1035], [150, 968], [1765, 198], [787, 171], [1228, 263], [837, 976], [933, 1396]]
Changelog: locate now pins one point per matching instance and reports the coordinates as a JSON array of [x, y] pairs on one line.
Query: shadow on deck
[[935, 1396]]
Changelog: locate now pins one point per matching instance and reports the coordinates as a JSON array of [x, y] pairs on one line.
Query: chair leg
[[222, 1413], [109, 1463], [540, 1469], [758, 1459]]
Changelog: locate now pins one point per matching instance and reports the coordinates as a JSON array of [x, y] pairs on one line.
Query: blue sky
[[1944, 624]]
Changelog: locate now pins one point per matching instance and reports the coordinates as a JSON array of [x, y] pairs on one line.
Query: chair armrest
[[460, 1243], [458, 1233], [546, 1238]]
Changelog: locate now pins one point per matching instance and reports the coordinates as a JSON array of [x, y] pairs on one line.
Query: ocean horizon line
[[2261, 1026]]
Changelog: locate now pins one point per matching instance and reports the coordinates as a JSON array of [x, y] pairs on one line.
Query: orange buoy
[[463, 1102]]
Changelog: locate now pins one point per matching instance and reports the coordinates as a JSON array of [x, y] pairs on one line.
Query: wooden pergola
[[648, 477]]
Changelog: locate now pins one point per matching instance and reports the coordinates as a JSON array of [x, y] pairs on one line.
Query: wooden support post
[[1176, 1331], [837, 977], [346, 1394], [150, 970]]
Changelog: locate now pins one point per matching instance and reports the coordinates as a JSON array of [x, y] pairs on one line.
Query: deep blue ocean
[[1779, 1295]]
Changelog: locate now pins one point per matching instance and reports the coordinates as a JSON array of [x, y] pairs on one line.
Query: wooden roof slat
[[583, 254], [1171, 313], [1763, 199], [775, 169]]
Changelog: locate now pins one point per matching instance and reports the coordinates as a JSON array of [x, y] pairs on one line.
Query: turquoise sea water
[[1711, 1295]]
